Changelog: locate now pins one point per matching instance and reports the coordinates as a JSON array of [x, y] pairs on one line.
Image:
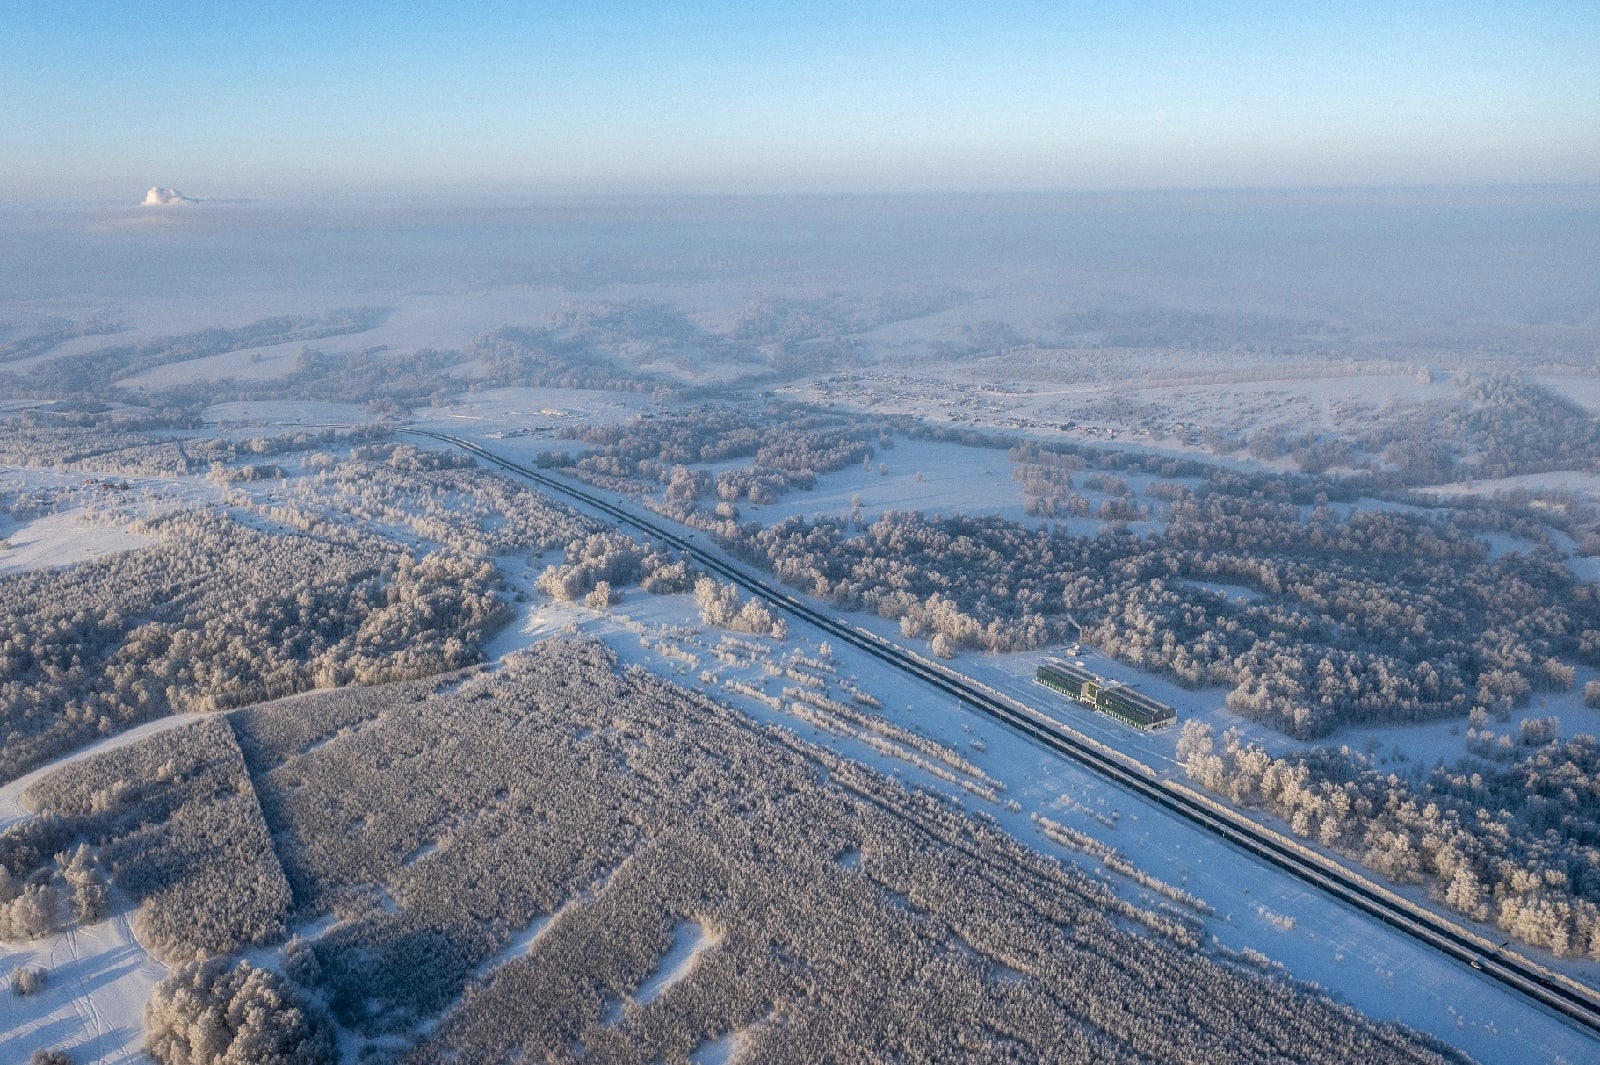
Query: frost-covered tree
[[214, 1013], [91, 899], [27, 980], [31, 915]]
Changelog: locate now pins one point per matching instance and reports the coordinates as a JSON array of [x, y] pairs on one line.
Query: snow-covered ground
[[76, 516], [1578, 482], [92, 1004], [1582, 390], [98, 976], [1257, 908], [532, 410], [1260, 911], [932, 477], [64, 538], [282, 413]]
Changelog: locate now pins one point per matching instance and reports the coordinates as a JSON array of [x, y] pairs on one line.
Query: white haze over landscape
[[1156, 322], [1336, 273]]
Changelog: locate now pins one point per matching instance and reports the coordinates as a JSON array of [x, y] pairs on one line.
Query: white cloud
[[164, 197]]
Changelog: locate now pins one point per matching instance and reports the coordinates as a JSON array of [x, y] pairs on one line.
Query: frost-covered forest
[[218, 614], [1343, 513], [1345, 610], [520, 852], [1360, 611], [174, 821], [1508, 835]]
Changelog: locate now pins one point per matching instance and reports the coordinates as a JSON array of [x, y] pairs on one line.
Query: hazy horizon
[[1414, 194], [711, 97]]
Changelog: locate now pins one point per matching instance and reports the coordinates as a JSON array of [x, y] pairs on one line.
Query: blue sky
[[494, 99]]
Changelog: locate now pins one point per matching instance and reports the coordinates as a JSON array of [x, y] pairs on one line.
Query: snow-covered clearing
[[1584, 391], [63, 539], [250, 364], [1236, 592], [532, 414], [1581, 483], [717, 1051], [933, 477], [92, 1004], [70, 516], [285, 412], [99, 976], [690, 939]]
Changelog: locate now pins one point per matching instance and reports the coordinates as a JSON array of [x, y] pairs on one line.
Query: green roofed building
[[1126, 704]]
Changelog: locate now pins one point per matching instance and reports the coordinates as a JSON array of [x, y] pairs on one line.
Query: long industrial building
[[1116, 700]]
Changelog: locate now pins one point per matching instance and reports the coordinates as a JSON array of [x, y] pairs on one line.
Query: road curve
[[1552, 990]]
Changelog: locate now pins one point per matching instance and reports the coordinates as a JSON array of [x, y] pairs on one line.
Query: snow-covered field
[[92, 1004], [932, 477], [72, 517], [1581, 483], [1582, 390], [285, 413], [64, 538], [534, 411]]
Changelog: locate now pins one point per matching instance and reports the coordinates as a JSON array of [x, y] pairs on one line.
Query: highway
[[1558, 993]]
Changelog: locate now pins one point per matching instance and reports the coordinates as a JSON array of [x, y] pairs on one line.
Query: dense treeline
[[1508, 834], [219, 614], [438, 496], [1044, 476], [175, 821], [32, 888], [720, 605], [789, 446], [611, 561], [1379, 615], [133, 453], [1499, 425], [519, 852], [96, 371]]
